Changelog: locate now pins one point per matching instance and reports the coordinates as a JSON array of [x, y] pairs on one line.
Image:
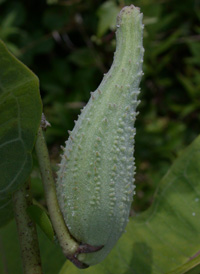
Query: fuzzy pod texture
[[95, 182]]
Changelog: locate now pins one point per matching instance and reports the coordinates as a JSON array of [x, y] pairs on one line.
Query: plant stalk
[[27, 232], [68, 244]]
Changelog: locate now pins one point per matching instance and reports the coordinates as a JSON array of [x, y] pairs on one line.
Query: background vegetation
[[70, 44]]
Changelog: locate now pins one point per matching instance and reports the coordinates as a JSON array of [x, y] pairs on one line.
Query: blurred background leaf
[[107, 14]]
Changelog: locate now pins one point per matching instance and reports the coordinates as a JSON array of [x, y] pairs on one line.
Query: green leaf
[[20, 114], [40, 217], [166, 236], [107, 14], [10, 261]]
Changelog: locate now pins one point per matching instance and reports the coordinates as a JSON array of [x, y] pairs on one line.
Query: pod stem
[[68, 244], [27, 231]]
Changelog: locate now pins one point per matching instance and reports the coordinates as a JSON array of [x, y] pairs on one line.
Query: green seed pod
[[95, 181]]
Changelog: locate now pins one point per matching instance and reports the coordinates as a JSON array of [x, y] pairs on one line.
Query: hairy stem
[[68, 244], [27, 231]]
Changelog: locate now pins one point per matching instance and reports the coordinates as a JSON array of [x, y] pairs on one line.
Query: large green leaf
[[10, 262], [20, 113], [168, 234]]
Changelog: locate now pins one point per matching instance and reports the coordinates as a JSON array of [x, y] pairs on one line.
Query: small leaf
[[40, 217]]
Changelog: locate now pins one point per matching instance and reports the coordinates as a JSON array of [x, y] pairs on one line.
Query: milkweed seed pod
[[95, 180]]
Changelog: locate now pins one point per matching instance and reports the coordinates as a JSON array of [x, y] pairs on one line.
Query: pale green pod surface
[[95, 181]]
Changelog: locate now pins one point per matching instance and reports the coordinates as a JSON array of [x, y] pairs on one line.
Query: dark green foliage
[[69, 48]]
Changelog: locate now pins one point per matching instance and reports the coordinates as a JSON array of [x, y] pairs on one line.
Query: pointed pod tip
[[129, 9]]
